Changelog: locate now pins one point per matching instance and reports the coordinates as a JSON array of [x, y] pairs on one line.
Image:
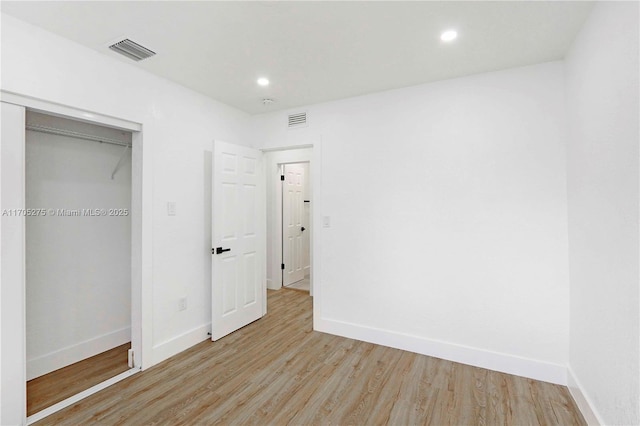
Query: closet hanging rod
[[77, 135]]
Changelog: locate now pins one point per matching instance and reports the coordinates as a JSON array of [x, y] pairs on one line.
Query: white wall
[[78, 268], [602, 99], [448, 229], [179, 126]]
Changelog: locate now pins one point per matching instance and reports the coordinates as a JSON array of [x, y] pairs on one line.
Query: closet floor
[[47, 390]]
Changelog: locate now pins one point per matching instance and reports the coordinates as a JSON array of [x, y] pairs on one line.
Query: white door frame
[[141, 246], [292, 154]]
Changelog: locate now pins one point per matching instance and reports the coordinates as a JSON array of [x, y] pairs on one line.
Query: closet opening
[[78, 247]]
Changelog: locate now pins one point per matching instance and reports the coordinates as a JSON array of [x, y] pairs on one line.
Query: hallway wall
[[447, 204]]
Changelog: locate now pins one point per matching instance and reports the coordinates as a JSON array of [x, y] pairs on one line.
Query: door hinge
[[281, 177], [282, 266], [130, 358]]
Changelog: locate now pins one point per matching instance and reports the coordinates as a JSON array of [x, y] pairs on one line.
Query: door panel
[[293, 211], [250, 293], [229, 284], [238, 224]]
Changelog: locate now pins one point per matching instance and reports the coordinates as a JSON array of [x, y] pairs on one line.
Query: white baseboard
[[511, 364], [52, 361], [177, 344], [584, 403], [271, 285]]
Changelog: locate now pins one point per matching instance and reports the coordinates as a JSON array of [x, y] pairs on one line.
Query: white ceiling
[[314, 51]]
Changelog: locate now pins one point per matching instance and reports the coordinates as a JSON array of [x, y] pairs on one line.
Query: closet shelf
[[77, 135]]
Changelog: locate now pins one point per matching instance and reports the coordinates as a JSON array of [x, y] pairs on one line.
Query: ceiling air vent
[[297, 120], [132, 50]]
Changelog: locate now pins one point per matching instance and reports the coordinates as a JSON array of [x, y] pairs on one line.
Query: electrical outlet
[[171, 208], [182, 304]]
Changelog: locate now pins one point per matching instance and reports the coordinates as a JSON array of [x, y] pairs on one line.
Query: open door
[[292, 224], [238, 234]]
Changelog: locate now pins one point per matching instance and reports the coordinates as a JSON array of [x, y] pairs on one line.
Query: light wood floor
[[47, 390], [278, 371], [302, 285]]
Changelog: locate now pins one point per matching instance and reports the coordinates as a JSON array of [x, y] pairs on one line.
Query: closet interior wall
[[78, 242]]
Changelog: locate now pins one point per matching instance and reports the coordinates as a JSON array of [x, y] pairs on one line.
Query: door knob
[[219, 250], [303, 228]]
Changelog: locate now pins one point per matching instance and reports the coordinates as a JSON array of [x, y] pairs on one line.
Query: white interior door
[[238, 230], [292, 223]]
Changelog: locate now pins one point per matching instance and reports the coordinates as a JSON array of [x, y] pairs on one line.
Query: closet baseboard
[[52, 361]]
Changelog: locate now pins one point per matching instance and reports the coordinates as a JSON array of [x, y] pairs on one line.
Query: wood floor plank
[[278, 371], [51, 388]]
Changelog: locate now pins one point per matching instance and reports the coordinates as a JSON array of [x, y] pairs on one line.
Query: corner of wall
[[505, 363], [272, 285], [77, 352], [579, 396]]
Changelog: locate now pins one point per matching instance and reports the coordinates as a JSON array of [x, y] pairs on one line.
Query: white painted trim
[[262, 227], [80, 396], [287, 148], [142, 251], [585, 405], [184, 341], [0, 279], [13, 372], [511, 364], [276, 240], [317, 231], [60, 110], [52, 361]]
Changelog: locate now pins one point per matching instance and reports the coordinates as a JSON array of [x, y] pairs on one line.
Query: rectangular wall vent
[[298, 119], [132, 50]]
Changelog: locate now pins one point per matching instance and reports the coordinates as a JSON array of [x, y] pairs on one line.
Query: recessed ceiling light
[[263, 81], [449, 35]]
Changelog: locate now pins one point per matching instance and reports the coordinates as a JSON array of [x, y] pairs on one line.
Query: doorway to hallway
[[296, 225]]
